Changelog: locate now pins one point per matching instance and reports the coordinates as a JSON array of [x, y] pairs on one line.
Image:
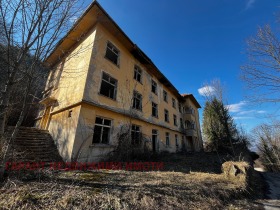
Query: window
[[154, 87], [101, 130], [108, 86], [137, 101], [165, 97], [137, 74], [135, 135], [173, 103], [176, 140], [180, 108], [175, 119], [112, 53], [166, 115], [167, 139], [154, 109], [70, 113], [190, 125], [181, 123]]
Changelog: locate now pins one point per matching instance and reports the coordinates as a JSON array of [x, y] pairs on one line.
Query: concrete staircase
[[34, 145]]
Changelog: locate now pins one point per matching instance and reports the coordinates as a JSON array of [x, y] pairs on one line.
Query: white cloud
[[236, 107], [241, 118], [206, 91], [250, 3], [261, 112]]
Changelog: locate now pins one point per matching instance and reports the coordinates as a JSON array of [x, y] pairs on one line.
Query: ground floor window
[[167, 139], [135, 135], [101, 130]]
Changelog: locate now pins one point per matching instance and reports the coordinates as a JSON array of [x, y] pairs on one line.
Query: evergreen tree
[[219, 129]]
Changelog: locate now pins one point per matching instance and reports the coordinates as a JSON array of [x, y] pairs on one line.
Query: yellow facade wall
[[88, 152], [126, 84], [78, 91]]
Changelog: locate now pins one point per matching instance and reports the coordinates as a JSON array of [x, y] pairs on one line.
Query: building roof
[[192, 98], [96, 14]]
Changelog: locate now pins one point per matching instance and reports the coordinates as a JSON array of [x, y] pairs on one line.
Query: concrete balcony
[[190, 132]]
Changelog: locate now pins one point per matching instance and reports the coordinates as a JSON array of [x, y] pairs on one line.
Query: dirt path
[[273, 196]]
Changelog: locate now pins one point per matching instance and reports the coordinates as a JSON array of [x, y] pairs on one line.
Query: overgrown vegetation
[[220, 132], [172, 188], [267, 137], [131, 145]]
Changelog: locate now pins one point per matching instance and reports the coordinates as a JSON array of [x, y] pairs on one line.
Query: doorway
[[45, 118], [154, 139]]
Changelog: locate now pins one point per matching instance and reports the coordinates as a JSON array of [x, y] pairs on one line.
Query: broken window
[[175, 119], [176, 140], [167, 139], [165, 97], [137, 101], [173, 103], [137, 74], [154, 87], [166, 115], [135, 135], [180, 108], [108, 86], [181, 123], [112, 53], [154, 109], [101, 131]]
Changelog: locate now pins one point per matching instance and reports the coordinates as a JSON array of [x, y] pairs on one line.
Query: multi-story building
[[101, 82]]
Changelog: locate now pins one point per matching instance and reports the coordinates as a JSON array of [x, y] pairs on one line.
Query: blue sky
[[195, 41]]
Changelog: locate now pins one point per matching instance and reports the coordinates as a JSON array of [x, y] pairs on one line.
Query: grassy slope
[[175, 188]]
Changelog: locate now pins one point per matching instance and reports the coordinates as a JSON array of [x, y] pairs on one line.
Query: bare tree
[[261, 74], [32, 27], [268, 142]]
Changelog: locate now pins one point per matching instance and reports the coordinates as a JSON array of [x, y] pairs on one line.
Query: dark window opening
[[136, 135], [112, 53], [137, 74], [101, 131], [154, 109], [173, 103], [165, 97], [166, 115], [108, 86], [137, 101], [154, 87], [175, 119], [167, 139]]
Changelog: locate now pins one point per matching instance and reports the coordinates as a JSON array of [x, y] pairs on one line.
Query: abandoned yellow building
[[101, 82]]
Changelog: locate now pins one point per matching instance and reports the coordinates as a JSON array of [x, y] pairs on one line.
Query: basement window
[[137, 74], [137, 101], [108, 86], [70, 113], [101, 131], [112, 53], [135, 135]]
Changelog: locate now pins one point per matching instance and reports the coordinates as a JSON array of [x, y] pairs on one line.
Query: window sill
[[108, 59], [107, 97], [139, 110]]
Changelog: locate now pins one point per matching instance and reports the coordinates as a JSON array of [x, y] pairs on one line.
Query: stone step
[[34, 144]]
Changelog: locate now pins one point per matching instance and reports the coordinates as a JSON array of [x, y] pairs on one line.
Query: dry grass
[[108, 189]]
